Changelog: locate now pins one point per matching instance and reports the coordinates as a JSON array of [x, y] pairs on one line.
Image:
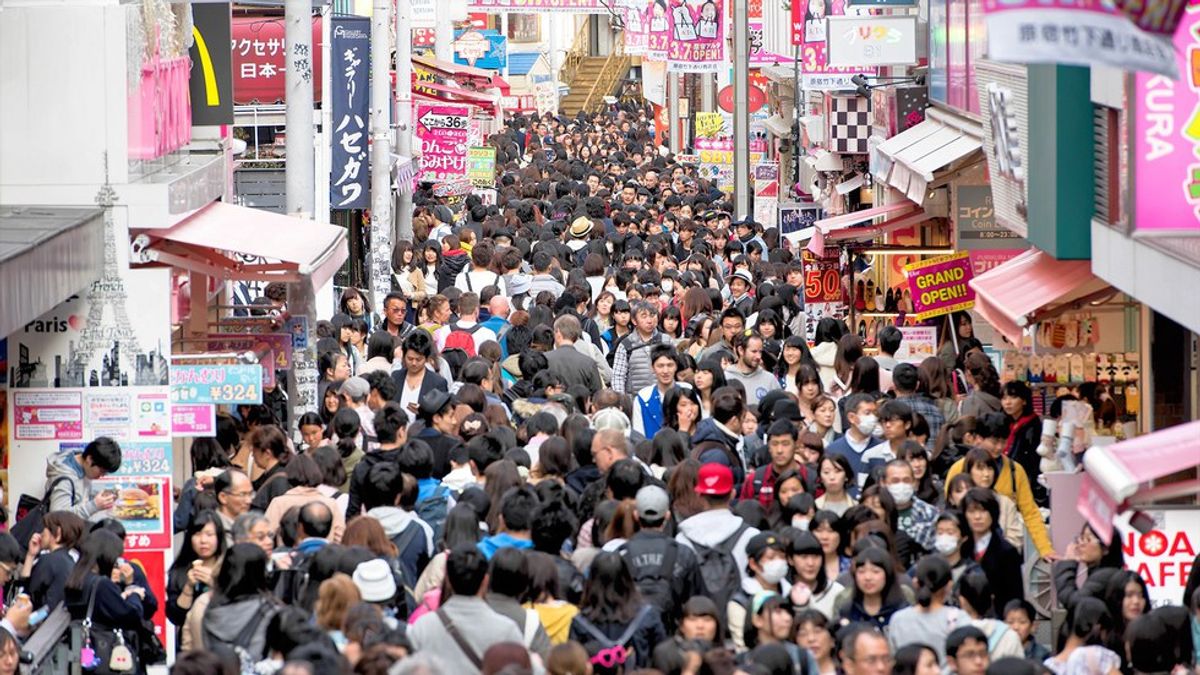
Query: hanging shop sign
[[481, 166], [1166, 156], [259, 60], [809, 32], [759, 55], [856, 41], [537, 6], [1074, 33], [716, 161], [211, 82], [349, 172], [766, 193], [975, 226], [1003, 92], [637, 26], [443, 130], [658, 31], [940, 285], [217, 384], [697, 40], [481, 49], [756, 99], [1164, 555], [822, 277]]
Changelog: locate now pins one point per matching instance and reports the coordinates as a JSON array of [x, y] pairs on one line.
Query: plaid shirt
[[918, 523], [929, 409]]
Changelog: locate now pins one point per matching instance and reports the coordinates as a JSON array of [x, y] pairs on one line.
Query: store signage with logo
[[1166, 153], [1003, 100], [1163, 556], [940, 285], [481, 50], [857, 41], [975, 221], [212, 65], [1073, 33]]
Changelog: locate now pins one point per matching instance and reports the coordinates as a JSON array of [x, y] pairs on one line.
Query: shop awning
[[477, 76], [47, 254], [909, 160], [830, 225], [1120, 473], [302, 248], [1017, 293], [459, 92]]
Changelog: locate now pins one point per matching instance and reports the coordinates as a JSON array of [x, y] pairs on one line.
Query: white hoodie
[[710, 528], [395, 519]]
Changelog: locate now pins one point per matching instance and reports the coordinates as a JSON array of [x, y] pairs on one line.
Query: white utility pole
[[381, 151], [443, 35], [298, 77], [403, 116], [673, 132], [741, 108]]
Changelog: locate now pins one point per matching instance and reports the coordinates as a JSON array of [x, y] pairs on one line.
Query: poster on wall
[[697, 36], [1166, 170], [143, 506], [1164, 555], [918, 344], [117, 333], [810, 33], [444, 138]]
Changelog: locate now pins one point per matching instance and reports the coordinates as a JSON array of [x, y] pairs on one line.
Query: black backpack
[[719, 571], [657, 583]]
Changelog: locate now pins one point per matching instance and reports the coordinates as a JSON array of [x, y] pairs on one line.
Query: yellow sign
[[710, 125]]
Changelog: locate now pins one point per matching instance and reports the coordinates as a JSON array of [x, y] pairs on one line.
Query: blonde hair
[[568, 658], [335, 597]]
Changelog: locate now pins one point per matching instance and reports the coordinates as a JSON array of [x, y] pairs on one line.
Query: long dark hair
[[610, 594], [671, 400], [187, 554], [243, 575], [98, 554], [880, 558], [348, 426]]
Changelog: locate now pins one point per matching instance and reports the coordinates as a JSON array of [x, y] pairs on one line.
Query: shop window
[[957, 39]]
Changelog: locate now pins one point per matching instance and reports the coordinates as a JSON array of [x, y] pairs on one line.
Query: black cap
[[699, 605], [763, 541]]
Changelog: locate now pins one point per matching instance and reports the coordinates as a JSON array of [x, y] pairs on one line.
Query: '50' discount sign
[[822, 278]]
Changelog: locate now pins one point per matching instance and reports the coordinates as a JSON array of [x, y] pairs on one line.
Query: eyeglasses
[[972, 654]]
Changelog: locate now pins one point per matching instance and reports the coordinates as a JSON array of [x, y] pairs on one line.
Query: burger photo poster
[[143, 506]]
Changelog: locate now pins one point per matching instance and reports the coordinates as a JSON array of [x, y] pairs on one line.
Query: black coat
[[354, 504], [1002, 563], [442, 445], [1024, 452]]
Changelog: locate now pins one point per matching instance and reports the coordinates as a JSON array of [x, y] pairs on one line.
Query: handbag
[[106, 651], [30, 513]]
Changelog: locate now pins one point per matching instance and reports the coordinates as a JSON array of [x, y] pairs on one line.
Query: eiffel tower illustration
[[116, 338]]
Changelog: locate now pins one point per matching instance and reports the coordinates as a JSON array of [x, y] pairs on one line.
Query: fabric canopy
[[303, 248], [909, 160], [1118, 472], [828, 225], [1009, 295], [479, 76]]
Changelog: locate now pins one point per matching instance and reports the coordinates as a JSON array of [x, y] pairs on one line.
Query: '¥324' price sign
[[822, 279], [221, 384]]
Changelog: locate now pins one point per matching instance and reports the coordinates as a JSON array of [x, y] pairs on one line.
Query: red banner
[[822, 277], [259, 60]]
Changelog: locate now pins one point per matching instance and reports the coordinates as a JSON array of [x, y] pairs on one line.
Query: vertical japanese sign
[[481, 166], [697, 42], [658, 31], [350, 98], [637, 28], [443, 133], [810, 18], [1166, 187], [211, 82]]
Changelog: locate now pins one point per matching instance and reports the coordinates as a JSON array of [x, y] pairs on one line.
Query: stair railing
[[615, 67], [575, 56]]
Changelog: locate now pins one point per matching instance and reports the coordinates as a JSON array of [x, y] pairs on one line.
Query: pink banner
[[697, 43], [1166, 153], [443, 130], [658, 31], [637, 27], [193, 420], [536, 6], [817, 74], [940, 285], [758, 55]]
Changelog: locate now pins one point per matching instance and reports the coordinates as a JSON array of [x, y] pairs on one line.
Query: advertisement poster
[[1073, 33], [259, 60], [349, 171], [192, 420], [154, 564], [637, 26], [697, 41], [536, 6], [47, 415], [716, 162], [919, 343], [109, 413], [822, 277], [443, 133], [481, 166], [809, 32], [1166, 155], [711, 125], [116, 333], [766, 193], [940, 285], [797, 221], [658, 32], [1164, 555], [143, 506], [220, 384]]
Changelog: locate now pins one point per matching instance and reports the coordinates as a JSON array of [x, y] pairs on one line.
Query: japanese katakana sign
[[350, 97], [443, 130]]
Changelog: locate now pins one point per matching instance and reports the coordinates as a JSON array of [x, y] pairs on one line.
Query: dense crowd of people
[[593, 430]]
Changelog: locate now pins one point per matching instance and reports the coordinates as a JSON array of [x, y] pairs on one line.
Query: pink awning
[[916, 216], [827, 225], [1010, 295], [1120, 472], [286, 248]]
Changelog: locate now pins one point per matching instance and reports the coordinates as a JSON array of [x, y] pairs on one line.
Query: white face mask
[[866, 424], [901, 492], [774, 571], [877, 432], [800, 522], [667, 285], [945, 543]]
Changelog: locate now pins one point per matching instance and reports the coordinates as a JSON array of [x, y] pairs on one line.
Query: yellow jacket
[[1022, 494]]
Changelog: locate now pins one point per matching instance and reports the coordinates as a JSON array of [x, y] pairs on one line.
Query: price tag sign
[[220, 384]]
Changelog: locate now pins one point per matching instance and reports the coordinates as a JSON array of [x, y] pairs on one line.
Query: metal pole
[[741, 108], [707, 92], [797, 114], [403, 115], [381, 151], [443, 33], [673, 132], [504, 33], [298, 77]]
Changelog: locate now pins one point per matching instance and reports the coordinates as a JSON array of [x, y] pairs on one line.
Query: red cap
[[714, 479]]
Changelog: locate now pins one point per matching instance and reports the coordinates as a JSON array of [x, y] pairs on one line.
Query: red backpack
[[462, 338]]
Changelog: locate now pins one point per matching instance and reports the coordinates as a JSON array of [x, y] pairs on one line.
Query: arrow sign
[[432, 120]]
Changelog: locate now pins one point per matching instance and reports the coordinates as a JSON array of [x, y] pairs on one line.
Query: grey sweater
[[478, 624]]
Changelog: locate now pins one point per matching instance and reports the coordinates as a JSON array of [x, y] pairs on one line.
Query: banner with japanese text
[[658, 31], [536, 6], [716, 161], [1070, 32], [697, 41], [443, 130], [637, 26], [1166, 156], [810, 18], [349, 170]]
